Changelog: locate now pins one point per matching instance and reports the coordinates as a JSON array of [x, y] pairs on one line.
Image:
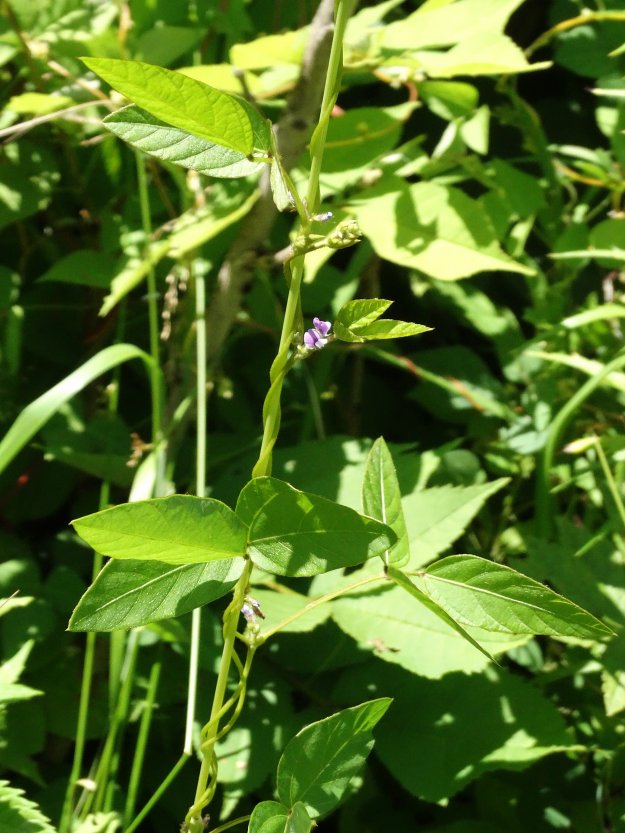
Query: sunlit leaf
[[180, 529]]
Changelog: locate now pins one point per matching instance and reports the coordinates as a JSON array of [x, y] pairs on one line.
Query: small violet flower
[[317, 336]]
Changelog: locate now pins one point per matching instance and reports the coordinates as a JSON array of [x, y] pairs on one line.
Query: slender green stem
[[104, 774], [200, 490], [142, 739], [231, 621], [157, 393], [229, 824], [158, 793], [571, 23], [87, 672], [612, 485], [544, 509], [330, 94], [81, 731]]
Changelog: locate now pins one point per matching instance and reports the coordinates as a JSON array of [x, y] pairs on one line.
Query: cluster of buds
[[318, 335], [252, 612]]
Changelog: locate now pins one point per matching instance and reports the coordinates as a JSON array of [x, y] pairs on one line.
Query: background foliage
[[479, 144]]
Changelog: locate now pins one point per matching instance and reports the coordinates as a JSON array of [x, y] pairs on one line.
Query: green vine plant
[[170, 555]]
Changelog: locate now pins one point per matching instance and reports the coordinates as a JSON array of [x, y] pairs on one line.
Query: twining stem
[[294, 272], [231, 621]]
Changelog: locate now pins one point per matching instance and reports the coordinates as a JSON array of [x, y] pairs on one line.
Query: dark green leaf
[[128, 594], [171, 144], [321, 760], [300, 534]]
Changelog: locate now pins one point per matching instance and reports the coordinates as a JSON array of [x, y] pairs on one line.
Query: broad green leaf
[[180, 101], [20, 815], [285, 48], [433, 228], [442, 734], [444, 27], [171, 144], [300, 534], [128, 594], [181, 529], [406, 584], [388, 622], [225, 77], [475, 591], [486, 54], [37, 413], [436, 517], [268, 817], [356, 141], [381, 499], [318, 764]]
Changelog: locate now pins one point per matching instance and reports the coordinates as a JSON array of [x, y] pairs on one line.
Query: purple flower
[[317, 336]]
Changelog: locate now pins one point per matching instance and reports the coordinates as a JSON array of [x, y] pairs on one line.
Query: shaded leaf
[[506, 723], [128, 594], [172, 144], [387, 622], [436, 517], [318, 764]]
